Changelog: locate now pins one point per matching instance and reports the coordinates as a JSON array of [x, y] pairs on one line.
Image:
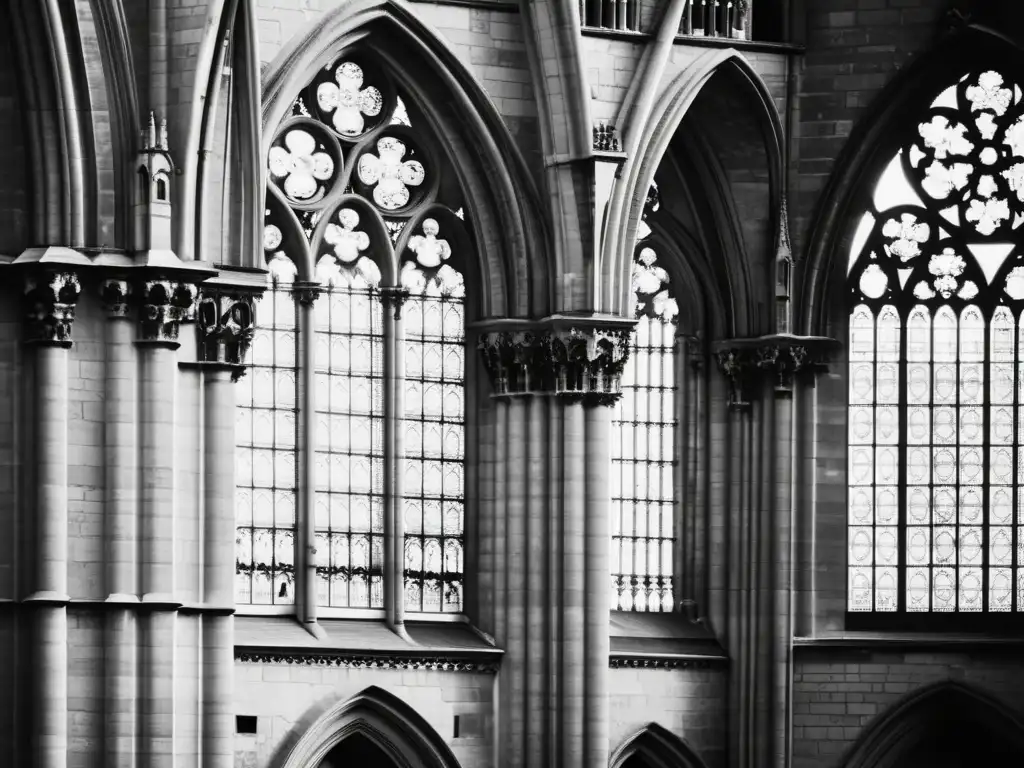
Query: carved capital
[[694, 351], [777, 359], [225, 322], [393, 299], [50, 299], [306, 292], [116, 295], [582, 363], [165, 305]]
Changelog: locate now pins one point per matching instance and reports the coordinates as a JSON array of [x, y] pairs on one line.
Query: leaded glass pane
[[644, 429], [349, 446], [433, 428], [265, 473]]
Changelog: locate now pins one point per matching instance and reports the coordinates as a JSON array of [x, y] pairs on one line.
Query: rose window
[[936, 292], [347, 101], [300, 165], [390, 174]]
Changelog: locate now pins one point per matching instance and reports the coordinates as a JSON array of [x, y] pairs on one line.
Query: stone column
[[50, 300], [225, 325], [120, 528], [164, 304], [760, 602], [551, 535]]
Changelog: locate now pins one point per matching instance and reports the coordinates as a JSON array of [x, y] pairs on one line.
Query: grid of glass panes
[[349, 447], [265, 458], [947, 484], [643, 497], [434, 358], [874, 458]]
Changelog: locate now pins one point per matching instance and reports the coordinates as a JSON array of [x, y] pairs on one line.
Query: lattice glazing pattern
[[349, 463], [643, 450], [265, 460], [936, 285]]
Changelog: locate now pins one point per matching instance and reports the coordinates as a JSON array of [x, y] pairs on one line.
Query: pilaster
[[225, 321], [762, 373], [549, 520], [50, 298]]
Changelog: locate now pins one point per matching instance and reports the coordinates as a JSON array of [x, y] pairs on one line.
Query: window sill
[[925, 624], [908, 641], [656, 639]]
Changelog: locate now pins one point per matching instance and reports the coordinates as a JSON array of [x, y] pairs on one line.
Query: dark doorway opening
[[357, 751]]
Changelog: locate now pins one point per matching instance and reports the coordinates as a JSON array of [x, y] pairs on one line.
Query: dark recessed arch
[[380, 718], [655, 747], [716, 73], [514, 267], [947, 721]]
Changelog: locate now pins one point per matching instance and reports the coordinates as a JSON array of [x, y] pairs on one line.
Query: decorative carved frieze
[[165, 305], [662, 662], [116, 295], [50, 299], [365, 661], [746, 363], [581, 363], [606, 138], [225, 322]]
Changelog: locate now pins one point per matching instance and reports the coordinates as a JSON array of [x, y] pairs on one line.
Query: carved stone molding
[[662, 662], [393, 299], [582, 362], [306, 292], [116, 295], [164, 306], [365, 661], [746, 363], [50, 299], [225, 322]]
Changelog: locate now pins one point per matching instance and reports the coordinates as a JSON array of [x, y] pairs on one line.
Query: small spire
[[163, 134], [151, 141]]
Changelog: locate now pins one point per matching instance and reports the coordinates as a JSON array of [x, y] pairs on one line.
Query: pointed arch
[[659, 747], [381, 717], [869, 149], [515, 272], [627, 198], [932, 710]]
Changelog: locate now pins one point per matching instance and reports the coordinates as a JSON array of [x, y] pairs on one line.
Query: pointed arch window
[[936, 415], [644, 445], [366, 246]]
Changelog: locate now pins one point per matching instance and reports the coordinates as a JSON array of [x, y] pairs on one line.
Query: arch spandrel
[[515, 274]]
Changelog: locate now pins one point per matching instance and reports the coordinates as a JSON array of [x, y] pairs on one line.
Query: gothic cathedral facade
[[511, 384]]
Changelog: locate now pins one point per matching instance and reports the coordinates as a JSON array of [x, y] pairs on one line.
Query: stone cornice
[[778, 358], [577, 358], [443, 662]]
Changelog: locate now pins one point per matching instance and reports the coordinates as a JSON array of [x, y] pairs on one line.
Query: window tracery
[[643, 464], [353, 183], [936, 520]]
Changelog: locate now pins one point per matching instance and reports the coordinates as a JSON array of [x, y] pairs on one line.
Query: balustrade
[[702, 18]]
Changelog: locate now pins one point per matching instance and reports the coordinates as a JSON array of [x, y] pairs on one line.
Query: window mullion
[[394, 452], [306, 555]]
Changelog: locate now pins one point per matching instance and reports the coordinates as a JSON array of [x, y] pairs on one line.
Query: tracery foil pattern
[[358, 191], [936, 287]]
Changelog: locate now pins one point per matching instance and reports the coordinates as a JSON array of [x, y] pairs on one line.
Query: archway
[[655, 747], [948, 725], [360, 751]]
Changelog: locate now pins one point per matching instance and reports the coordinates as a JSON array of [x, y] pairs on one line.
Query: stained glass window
[[936, 285], [643, 448], [358, 191], [434, 435], [265, 459]]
